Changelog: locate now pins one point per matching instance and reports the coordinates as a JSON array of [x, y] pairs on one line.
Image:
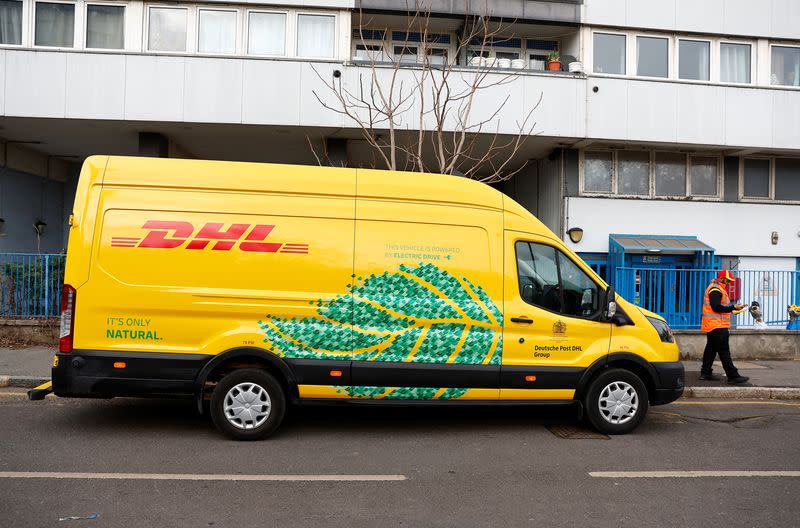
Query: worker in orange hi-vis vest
[[716, 321]]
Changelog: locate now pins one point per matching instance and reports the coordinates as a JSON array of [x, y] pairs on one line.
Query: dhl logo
[[171, 235]]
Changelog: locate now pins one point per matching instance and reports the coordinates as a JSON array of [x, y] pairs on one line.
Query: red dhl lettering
[[169, 234]]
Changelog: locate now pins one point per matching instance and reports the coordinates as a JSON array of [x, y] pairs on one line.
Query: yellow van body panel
[[364, 283]]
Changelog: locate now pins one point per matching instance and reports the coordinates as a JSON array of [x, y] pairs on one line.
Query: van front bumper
[[668, 381], [93, 374]]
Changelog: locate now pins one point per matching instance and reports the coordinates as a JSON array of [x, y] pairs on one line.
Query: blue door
[[662, 286]]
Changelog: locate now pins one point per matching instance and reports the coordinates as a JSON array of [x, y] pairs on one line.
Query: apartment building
[[669, 136]]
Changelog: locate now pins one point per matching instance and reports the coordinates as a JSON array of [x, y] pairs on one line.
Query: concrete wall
[[742, 229], [549, 10], [745, 344], [550, 192], [24, 199], [769, 18], [679, 112]]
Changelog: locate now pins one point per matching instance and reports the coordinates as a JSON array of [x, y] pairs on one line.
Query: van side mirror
[[527, 293], [611, 303]]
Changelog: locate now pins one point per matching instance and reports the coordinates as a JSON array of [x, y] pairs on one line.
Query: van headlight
[[663, 329]]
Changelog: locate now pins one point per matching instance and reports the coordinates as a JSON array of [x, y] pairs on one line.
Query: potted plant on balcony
[[554, 61]]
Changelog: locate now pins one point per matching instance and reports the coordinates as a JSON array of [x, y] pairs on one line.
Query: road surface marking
[[691, 474], [13, 394], [190, 476]]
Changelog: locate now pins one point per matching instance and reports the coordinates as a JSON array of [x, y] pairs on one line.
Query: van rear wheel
[[247, 404], [616, 401]]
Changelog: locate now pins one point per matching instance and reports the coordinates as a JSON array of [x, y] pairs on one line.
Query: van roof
[[296, 179]]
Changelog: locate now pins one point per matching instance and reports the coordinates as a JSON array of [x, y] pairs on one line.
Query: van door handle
[[523, 320]]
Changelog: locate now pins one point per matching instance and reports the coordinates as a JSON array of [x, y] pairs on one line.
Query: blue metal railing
[[30, 284], [677, 294]]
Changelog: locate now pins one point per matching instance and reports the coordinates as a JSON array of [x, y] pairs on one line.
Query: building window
[[633, 173], [436, 56], [405, 53], [266, 34], [55, 25], [652, 57], [598, 170], [670, 174], [734, 63], [785, 66], [787, 179], [10, 22], [609, 53], [704, 176], [369, 45], [694, 60], [167, 30], [105, 26], [316, 36], [217, 31], [756, 178]]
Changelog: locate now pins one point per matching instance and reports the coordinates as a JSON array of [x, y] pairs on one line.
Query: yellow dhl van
[[250, 286]]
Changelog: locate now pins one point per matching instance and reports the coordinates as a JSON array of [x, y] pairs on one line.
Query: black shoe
[[709, 377], [738, 380]]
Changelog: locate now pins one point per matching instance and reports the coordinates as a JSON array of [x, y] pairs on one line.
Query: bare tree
[[418, 112]]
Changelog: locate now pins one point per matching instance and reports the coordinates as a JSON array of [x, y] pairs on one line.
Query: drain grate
[[574, 432]]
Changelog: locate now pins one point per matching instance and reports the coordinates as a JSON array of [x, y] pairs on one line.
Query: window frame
[[779, 44], [356, 41], [25, 20], [770, 180], [336, 44], [753, 59], [287, 32], [558, 254], [720, 170], [237, 27], [671, 74], [651, 175], [124, 7], [711, 59], [146, 31], [76, 40], [627, 52]]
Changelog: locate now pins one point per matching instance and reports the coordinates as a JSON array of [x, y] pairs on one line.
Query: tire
[[254, 389], [610, 419]]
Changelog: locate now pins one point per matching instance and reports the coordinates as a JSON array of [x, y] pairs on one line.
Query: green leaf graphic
[[420, 314]]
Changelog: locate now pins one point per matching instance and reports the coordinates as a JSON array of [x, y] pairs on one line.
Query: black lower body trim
[[92, 374], [384, 374], [668, 383], [439, 403]]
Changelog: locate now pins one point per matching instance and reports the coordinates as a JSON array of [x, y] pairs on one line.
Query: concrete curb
[[743, 393]]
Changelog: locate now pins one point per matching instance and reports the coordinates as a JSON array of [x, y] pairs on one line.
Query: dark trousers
[[717, 343]]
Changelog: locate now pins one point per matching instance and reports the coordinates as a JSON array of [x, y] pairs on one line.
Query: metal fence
[[677, 294], [30, 284]]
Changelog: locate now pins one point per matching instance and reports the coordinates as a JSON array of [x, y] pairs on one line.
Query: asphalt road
[[460, 467]]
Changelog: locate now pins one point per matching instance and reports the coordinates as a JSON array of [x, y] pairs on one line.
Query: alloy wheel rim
[[618, 402], [247, 405]]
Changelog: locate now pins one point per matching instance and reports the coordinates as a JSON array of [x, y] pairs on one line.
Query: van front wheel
[[247, 404], [616, 402]]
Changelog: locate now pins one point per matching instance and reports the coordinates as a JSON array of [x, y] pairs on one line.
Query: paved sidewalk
[[761, 373], [31, 361]]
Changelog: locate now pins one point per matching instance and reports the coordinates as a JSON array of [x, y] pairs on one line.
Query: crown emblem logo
[[559, 327]]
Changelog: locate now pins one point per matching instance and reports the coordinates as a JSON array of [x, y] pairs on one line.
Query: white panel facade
[[261, 92], [711, 221], [562, 112], [34, 83], [701, 114], [154, 88], [767, 18], [607, 110], [651, 111], [213, 90], [95, 87], [749, 116], [786, 123], [2, 83]]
